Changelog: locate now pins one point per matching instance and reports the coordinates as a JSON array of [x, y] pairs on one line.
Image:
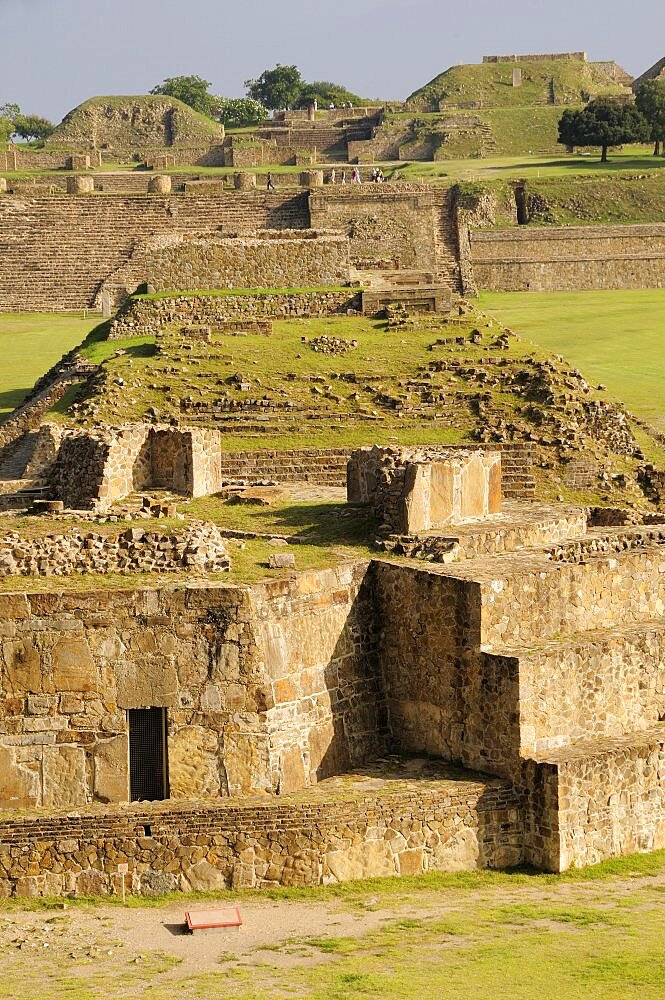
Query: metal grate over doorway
[[148, 780]]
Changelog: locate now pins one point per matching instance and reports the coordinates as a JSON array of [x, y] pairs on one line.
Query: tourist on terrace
[[270, 184]]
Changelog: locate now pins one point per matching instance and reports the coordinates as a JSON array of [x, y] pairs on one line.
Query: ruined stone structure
[[133, 123], [412, 490], [570, 258], [92, 468], [269, 259]]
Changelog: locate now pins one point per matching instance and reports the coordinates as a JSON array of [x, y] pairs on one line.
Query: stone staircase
[[446, 253], [544, 663], [331, 141], [56, 251]]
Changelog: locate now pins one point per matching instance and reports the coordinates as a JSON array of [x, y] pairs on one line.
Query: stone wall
[[144, 316], [569, 259], [199, 549], [273, 259], [269, 688], [408, 224], [92, 468], [591, 802], [443, 825], [420, 489]]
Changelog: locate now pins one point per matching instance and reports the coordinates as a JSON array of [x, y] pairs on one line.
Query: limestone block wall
[[570, 258], [277, 259], [450, 827], [602, 593], [94, 467], [561, 699], [419, 489], [143, 317], [266, 689], [411, 225]]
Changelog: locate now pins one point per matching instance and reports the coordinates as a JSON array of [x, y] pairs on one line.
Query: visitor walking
[[270, 185], [355, 176], [333, 175]]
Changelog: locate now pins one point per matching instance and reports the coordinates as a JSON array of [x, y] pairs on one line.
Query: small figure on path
[[333, 175], [270, 186]]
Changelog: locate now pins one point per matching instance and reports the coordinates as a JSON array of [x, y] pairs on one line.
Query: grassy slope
[[614, 337], [29, 344], [490, 84]]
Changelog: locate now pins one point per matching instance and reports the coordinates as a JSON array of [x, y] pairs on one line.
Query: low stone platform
[[393, 816], [517, 526]]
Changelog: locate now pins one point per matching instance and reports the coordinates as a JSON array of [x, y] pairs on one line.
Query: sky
[[54, 54]]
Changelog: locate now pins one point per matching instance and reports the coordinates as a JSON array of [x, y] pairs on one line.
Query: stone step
[[597, 798], [595, 685], [528, 595]]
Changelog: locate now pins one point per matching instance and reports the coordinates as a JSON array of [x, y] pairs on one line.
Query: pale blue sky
[[56, 53]]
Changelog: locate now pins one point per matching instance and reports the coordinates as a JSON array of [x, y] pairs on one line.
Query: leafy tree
[[32, 127], [603, 122], [235, 112], [327, 93], [8, 113], [191, 90], [276, 88], [650, 101]]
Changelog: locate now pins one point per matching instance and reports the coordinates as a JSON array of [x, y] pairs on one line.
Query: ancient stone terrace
[[56, 251]]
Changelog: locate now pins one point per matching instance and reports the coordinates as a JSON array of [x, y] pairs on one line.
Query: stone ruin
[[522, 682], [421, 489]]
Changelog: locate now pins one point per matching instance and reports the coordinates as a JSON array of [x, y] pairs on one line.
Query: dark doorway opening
[[148, 779]]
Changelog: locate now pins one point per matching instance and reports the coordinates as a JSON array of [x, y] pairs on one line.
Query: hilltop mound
[[144, 122], [544, 81], [349, 381]]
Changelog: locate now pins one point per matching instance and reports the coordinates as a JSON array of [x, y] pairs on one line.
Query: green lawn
[[615, 337], [30, 343]]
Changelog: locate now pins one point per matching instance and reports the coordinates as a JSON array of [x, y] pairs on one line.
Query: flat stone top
[[584, 640], [514, 515], [488, 568], [386, 777], [648, 739]]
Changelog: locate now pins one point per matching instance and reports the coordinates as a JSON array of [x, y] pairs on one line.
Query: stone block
[[73, 666], [292, 771], [369, 860], [243, 181], [145, 680], [80, 184], [195, 765], [282, 560], [65, 781], [472, 488], [19, 783], [160, 184], [111, 764], [23, 667]]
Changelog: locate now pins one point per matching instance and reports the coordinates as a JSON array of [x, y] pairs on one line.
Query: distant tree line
[[32, 128], [281, 87]]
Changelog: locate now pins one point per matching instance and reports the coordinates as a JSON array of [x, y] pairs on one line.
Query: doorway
[[148, 765]]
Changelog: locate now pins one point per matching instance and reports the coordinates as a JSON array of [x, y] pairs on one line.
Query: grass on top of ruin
[[322, 534], [595, 934]]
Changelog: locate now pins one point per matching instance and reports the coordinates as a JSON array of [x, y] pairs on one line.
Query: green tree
[[327, 93], [191, 90], [276, 88], [603, 122], [236, 112], [8, 114], [650, 101], [32, 127]]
